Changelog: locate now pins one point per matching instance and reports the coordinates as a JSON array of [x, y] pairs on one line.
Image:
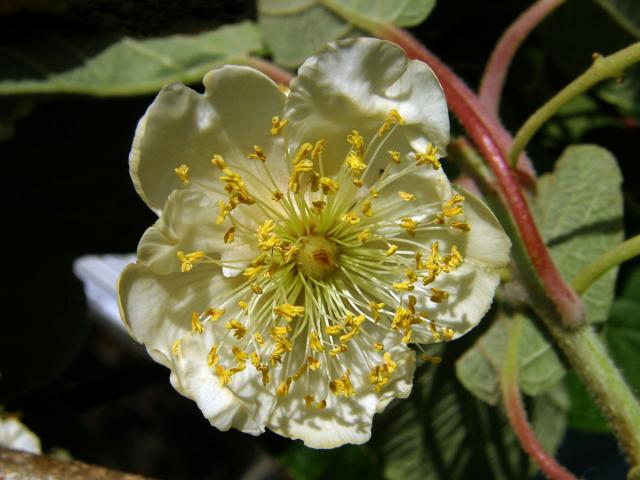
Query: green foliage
[[42, 60], [479, 368], [444, 432], [580, 217], [622, 335], [295, 29]]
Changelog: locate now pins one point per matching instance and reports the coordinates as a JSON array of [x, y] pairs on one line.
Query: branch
[[496, 69]]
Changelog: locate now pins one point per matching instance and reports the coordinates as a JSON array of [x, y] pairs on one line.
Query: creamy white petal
[[352, 85], [157, 309], [186, 224], [16, 436], [184, 127]]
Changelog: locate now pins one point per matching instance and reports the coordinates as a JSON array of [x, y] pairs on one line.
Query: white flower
[[304, 240], [14, 435]]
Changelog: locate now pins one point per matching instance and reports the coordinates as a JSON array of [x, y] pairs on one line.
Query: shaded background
[[66, 192]]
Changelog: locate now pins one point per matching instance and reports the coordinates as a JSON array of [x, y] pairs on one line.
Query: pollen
[[277, 125], [429, 156], [406, 196], [258, 154], [196, 324], [188, 260], [218, 161], [288, 311], [182, 172]]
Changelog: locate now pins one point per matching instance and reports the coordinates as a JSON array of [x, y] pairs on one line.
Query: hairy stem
[[602, 68], [517, 414], [481, 128], [497, 67], [605, 262]]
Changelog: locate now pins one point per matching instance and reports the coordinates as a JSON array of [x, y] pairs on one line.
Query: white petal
[[345, 419], [244, 404], [184, 127], [16, 436], [352, 85], [157, 309], [186, 224]]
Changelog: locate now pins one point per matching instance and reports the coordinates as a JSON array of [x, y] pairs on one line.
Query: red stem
[[271, 70], [492, 141], [496, 70], [518, 419]]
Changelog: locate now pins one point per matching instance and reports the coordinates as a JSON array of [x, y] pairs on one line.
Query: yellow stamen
[[350, 217], [283, 388], [188, 260], [213, 357], [230, 235], [277, 125], [183, 173], [288, 311], [406, 196], [391, 250], [258, 154], [176, 348], [409, 225], [366, 208], [196, 324], [218, 161], [395, 156]]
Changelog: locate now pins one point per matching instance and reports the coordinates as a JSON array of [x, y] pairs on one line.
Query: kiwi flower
[[305, 238]]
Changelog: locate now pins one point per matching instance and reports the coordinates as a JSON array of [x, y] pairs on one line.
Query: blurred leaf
[[581, 27], [580, 217], [38, 59], [443, 432], [622, 335], [343, 463], [11, 110], [479, 368], [625, 12], [296, 29]]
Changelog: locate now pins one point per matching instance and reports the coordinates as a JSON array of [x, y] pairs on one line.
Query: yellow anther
[[375, 309], [388, 361], [401, 318], [462, 226], [378, 347], [224, 375], [412, 304], [279, 332], [239, 330], [214, 313], [266, 378], [456, 199], [259, 339], [251, 272], [357, 182], [432, 359], [404, 286], [412, 276], [176, 348], [456, 257], [196, 324], [240, 355], [224, 210], [393, 117], [183, 173], [328, 186], [213, 357], [302, 166], [256, 289], [314, 364], [409, 225], [321, 405], [357, 142], [367, 211], [406, 196], [391, 250], [342, 385], [374, 193], [333, 329], [448, 334], [308, 400], [364, 235], [259, 260], [283, 388], [300, 371], [453, 211], [188, 260], [218, 161], [277, 195], [244, 306], [314, 182], [258, 154], [429, 157], [316, 344], [418, 260], [349, 335], [317, 150], [277, 125], [304, 151], [255, 360], [318, 206], [438, 295], [230, 235], [379, 377], [338, 350], [356, 164], [288, 311], [395, 156], [350, 217]]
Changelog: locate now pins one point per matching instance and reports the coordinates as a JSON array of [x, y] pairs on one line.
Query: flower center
[[318, 257]]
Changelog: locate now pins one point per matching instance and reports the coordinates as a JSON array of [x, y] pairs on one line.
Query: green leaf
[[625, 12], [44, 60], [479, 368], [580, 217], [296, 29], [11, 110], [343, 463], [622, 335], [443, 432]]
